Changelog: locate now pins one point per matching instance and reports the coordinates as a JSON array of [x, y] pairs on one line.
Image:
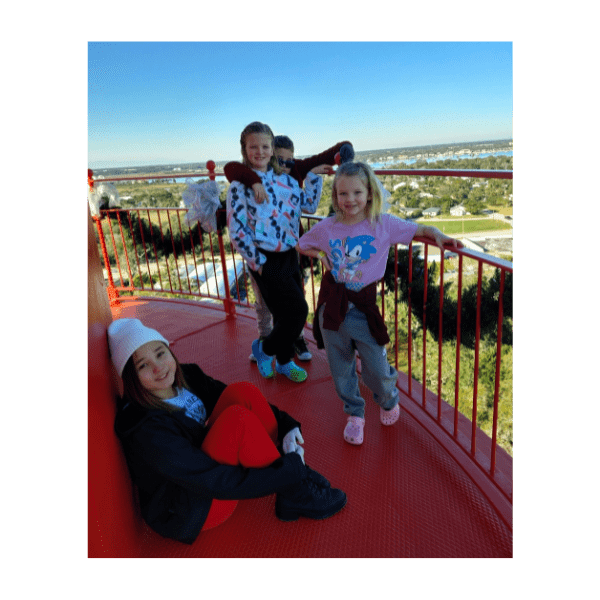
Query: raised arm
[[303, 166]]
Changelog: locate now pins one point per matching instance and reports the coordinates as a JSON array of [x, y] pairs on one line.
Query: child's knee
[[242, 392], [236, 415]]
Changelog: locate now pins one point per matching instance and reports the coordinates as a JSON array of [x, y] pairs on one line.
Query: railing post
[[113, 294], [111, 290], [210, 165], [228, 303]]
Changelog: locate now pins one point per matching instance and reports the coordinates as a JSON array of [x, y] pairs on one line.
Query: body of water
[[381, 165], [412, 161]]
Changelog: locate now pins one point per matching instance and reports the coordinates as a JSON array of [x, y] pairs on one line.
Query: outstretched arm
[[441, 240], [236, 171], [303, 166]]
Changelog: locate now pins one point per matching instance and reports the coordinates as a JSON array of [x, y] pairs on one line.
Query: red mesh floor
[[406, 496]]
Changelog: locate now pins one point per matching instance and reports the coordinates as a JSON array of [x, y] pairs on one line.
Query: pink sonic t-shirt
[[358, 253]]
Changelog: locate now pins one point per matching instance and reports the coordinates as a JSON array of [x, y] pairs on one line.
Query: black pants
[[281, 287]]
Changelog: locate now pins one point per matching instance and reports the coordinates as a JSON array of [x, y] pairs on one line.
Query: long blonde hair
[[133, 388], [369, 180], [258, 127]]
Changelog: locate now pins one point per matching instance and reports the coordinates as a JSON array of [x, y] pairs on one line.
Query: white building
[[458, 211]]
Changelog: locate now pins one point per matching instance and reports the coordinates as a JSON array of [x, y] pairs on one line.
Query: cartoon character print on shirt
[[347, 255], [193, 406]]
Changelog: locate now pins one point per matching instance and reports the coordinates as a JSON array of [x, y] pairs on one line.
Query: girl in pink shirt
[[354, 246]]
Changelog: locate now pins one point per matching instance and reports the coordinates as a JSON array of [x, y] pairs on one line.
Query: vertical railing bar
[[154, 248], [497, 381], [146, 256], [425, 276], [194, 258], [229, 305], [440, 336], [235, 274], [212, 253], [201, 238], [112, 292], [245, 275], [457, 370], [118, 213], [410, 277], [162, 238], [396, 362], [476, 365], [174, 249], [135, 250], [187, 275], [112, 237]]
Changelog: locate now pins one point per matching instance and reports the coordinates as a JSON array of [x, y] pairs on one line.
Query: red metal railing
[[157, 246]]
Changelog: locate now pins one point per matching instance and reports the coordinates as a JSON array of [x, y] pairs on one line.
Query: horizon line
[[389, 148]]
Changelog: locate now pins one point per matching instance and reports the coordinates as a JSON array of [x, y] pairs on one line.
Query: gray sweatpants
[[377, 374]]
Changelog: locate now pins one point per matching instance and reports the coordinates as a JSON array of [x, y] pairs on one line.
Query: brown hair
[[258, 127], [283, 141], [132, 387]]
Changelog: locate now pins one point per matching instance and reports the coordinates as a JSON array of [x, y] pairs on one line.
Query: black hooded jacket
[[176, 480]]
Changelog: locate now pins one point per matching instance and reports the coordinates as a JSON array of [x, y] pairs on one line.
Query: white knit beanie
[[125, 336]]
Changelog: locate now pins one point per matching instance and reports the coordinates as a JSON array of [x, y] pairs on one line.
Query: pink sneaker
[[389, 417], [353, 433]]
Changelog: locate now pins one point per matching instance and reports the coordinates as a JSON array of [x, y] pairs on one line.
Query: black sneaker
[[301, 349], [317, 477], [309, 499]]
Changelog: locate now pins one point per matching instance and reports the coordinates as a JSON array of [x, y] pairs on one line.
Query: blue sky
[[162, 102]]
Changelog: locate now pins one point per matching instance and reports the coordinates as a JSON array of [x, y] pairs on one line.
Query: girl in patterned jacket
[[266, 234], [321, 164]]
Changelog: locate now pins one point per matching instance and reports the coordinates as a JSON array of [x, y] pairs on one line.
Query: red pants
[[243, 431]]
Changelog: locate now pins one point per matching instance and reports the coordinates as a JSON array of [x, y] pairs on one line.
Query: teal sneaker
[[252, 357], [264, 361], [292, 371]]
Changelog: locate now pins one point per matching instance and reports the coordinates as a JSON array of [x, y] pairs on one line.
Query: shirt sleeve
[[401, 230], [315, 238], [311, 196], [240, 208], [236, 171], [285, 422]]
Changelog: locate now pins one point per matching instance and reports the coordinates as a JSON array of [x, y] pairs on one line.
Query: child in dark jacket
[[195, 446], [320, 164]]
